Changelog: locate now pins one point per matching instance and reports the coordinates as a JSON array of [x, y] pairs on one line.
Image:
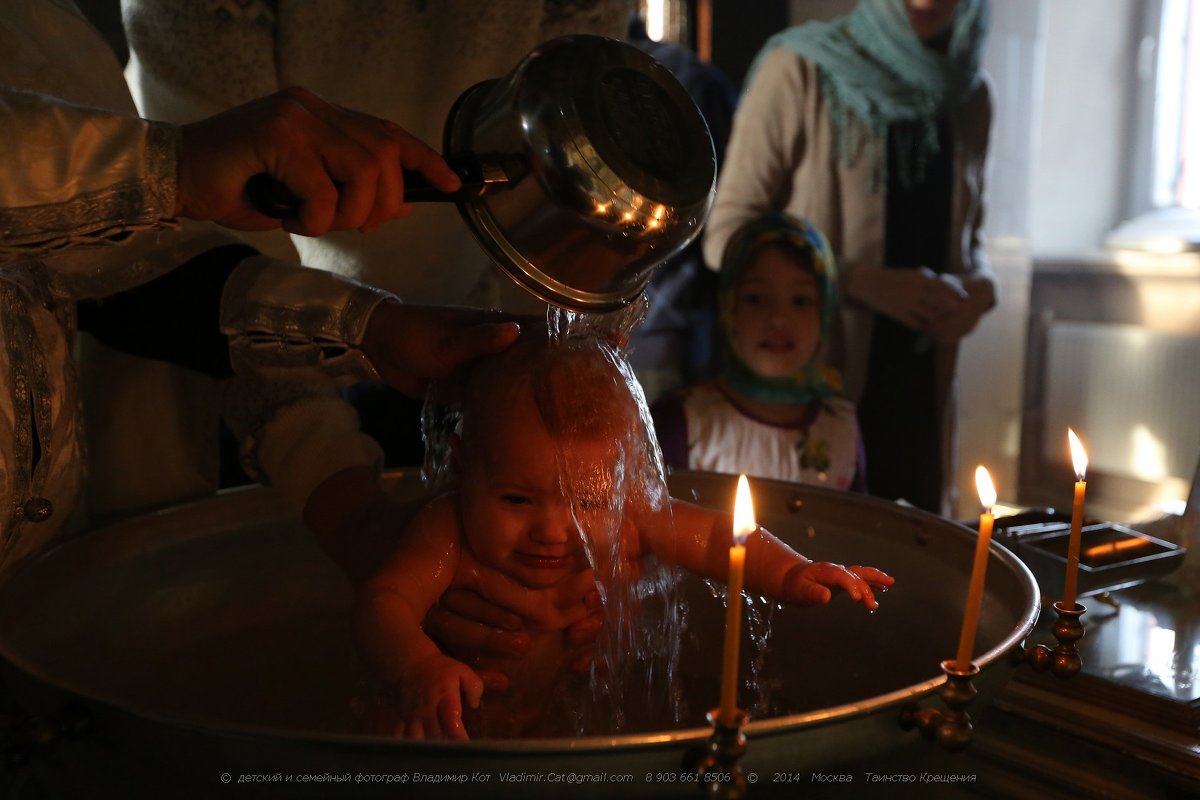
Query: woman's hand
[[963, 318], [916, 298], [342, 165]]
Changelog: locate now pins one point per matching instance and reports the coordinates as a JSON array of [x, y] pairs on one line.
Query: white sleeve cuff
[[308, 442], [286, 322]]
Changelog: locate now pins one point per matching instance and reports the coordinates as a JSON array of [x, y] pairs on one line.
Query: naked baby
[[542, 466]]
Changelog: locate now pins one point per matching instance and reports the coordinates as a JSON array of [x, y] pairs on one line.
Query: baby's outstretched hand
[[431, 696], [812, 584]]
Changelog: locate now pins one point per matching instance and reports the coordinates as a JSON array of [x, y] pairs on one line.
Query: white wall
[[1085, 129], [1066, 85], [992, 359]]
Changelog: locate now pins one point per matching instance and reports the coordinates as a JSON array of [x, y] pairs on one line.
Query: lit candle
[[966, 640], [1080, 460], [743, 526]]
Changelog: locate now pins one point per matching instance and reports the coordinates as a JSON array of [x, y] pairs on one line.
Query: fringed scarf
[[812, 253], [874, 71]]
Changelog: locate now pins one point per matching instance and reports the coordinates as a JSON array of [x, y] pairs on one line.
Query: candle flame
[[1078, 455], [743, 512], [987, 492]]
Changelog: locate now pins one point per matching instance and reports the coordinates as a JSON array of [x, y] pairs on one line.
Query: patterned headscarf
[[813, 254], [874, 68]]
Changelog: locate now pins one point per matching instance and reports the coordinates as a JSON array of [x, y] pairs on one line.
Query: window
[[1165, 185], [1176, 171]]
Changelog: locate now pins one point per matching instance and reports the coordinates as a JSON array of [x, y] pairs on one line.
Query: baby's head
[[562, 394], [777, 294], [550, 435]]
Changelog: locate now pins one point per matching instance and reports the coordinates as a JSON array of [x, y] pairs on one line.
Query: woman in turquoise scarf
[[875, 128], [772, 412]]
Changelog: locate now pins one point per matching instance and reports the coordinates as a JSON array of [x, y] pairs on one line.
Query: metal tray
[[1110, 557]]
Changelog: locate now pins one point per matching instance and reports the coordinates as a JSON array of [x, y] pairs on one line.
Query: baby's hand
[[431, 695], [811, 584]]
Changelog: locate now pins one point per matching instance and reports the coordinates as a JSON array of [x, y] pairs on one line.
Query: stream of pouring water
[[635, 683]]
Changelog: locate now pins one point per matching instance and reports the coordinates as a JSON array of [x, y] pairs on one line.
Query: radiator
[[1131, 394]]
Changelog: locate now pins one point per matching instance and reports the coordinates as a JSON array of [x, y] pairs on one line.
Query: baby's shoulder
[[439, 519]]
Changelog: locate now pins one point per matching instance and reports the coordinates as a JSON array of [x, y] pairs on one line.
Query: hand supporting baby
[[489, 615], [420, 687]]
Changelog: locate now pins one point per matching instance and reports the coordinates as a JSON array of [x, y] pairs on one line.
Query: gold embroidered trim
[[29, 393], [91, 217]]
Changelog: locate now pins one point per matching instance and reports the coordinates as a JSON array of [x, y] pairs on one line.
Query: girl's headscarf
[[874, 68], [812, 254]]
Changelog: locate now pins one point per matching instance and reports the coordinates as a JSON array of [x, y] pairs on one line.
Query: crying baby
[[556, 480]]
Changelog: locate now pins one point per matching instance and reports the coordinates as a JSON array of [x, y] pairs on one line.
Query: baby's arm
[[429, 685], [700, 544]]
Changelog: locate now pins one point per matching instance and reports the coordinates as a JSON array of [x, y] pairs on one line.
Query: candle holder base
[[1062, 661], [717, 764], [951, 728]]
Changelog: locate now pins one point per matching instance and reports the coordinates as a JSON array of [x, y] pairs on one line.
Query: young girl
[[773, 411], [875, 127]]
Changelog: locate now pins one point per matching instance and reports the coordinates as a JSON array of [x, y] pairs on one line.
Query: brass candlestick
[[1063, 661], [718, 768], [951, 728]]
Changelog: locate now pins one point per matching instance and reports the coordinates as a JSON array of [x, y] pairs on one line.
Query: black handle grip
[[272, 199]]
